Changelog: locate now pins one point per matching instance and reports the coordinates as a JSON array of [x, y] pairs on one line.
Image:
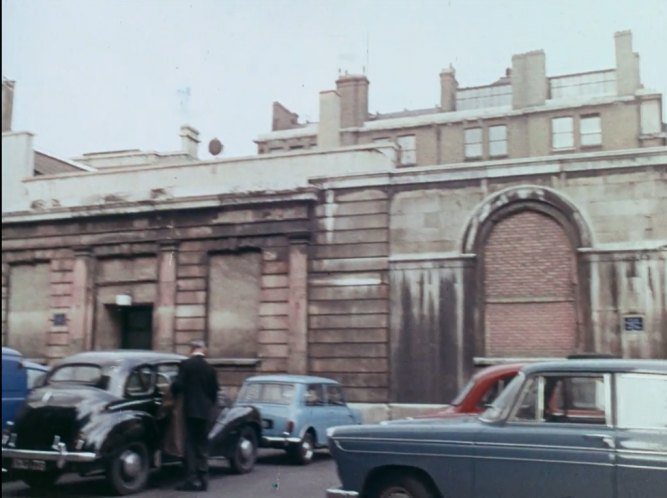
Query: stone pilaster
[[163, 339], [81, 309], [297, 362]]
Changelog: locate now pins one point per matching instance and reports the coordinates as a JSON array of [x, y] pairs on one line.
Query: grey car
[[574, 428]]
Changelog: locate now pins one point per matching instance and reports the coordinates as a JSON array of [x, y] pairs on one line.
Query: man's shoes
[[203, 480], [191, 486]]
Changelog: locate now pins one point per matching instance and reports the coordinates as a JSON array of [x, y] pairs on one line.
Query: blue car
[[18, 378], [573, 428], [296, 411]]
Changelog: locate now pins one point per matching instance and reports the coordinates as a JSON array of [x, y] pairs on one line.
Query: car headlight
[[7, 433], [331, 431]]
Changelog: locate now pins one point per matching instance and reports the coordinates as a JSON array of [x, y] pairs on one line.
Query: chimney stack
[[529, 79], [328, 129], [448, 88], [7, 104], [627, 64], [353, 92], [190, 141]]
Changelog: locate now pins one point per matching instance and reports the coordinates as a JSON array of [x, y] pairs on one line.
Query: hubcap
[[246, 448], [307, 448], [131, 462]]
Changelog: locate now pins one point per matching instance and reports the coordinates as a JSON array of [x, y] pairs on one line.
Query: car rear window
[[641, 401], [266, 392], [76, 374]]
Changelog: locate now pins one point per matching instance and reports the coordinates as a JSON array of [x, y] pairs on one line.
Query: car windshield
[[85, 374], [266, 392], [464, 392], [503, 403]]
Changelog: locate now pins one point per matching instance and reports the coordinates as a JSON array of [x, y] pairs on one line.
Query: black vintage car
[[103, 412]]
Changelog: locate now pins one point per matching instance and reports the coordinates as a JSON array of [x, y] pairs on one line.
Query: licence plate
[[26, 464]]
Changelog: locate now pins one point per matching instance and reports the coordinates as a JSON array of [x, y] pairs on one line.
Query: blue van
[[18, 377]]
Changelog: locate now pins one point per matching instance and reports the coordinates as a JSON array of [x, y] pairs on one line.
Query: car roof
[[127, 356], [599, 366], [35, 366], [10, 352], [500, 369], [300, 379]]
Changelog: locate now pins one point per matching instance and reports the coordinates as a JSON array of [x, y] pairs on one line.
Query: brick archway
[[529, 289], [530, 279]]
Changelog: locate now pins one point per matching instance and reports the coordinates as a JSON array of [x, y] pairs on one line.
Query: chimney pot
[[190, 141]]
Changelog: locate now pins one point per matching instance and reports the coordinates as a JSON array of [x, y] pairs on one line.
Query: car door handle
[[605, 439]]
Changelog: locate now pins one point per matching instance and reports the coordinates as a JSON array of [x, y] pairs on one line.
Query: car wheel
[[40, 481], [303, 452], [400, 486], [244, 456], [128, 470]]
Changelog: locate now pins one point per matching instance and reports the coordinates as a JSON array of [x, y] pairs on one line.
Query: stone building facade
[[395, 265]]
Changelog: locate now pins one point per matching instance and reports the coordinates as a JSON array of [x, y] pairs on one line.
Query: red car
[[481, 390]]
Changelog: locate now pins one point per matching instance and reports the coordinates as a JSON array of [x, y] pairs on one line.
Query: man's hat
[[197, 343]]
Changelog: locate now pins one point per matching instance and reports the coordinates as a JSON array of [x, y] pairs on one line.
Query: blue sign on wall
[[633, 323], [59, 319]]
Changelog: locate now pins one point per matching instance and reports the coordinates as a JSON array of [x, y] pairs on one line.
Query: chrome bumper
[[271, 440], [61, 456], [341, 493]]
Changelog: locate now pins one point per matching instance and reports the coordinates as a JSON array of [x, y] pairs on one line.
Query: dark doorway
[[137, 327]]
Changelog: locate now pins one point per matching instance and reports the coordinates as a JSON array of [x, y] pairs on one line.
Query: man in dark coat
[[197, 382]]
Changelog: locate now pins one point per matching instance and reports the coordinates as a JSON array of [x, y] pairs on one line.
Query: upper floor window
[[408, 146], [473, 143], [590, 130], [562, 133], [498, 140]]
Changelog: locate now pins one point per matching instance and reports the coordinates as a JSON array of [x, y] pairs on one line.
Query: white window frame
[[562, 138], [590, 137], [408, 147], [473, 146], [497, 140]]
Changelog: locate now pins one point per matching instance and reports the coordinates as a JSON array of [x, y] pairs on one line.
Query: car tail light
[[290, 427]]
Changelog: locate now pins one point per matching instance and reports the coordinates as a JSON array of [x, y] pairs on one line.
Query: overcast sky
[[95, 75]]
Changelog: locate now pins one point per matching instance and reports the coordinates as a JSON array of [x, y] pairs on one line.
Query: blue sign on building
[[59, 319], [633, 323]]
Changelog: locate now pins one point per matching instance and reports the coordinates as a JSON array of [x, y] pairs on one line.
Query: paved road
[[273, 477]]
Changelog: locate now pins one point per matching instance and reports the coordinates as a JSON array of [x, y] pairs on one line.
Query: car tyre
[[244, 455], [40, 481], [128, 470], [400, 486], [302, 453]]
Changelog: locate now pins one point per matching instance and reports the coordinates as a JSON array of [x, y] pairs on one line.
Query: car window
[[501, 407], [563, 399], [76, 374], [493, 392], [141, 381], [35, 377], [266, 392], [641, 401], [527, 407], [334, 395], [314, 395], [166, 373]]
